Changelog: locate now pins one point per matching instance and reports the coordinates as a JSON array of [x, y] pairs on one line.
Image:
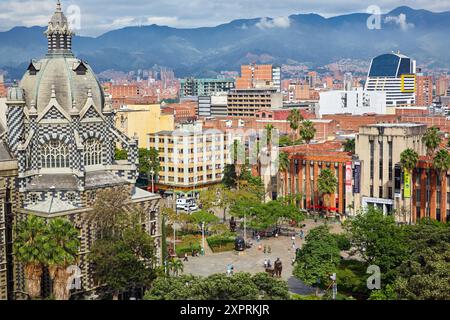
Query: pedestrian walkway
[[252, 260]]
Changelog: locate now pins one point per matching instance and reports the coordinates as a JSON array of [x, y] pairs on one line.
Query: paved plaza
[[252, 260]]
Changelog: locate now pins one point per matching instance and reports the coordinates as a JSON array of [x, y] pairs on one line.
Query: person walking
[[185, 257], [301, 234]]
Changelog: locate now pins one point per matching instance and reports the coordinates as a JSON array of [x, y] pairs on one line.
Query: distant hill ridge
[[307, 38]]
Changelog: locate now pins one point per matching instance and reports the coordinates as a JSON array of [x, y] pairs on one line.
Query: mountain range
[[301, 38]]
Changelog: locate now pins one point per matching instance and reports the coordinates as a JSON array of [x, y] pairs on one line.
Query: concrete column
[[433, 195], [300, 181], [308, 184], [423, 192], [444, 197], [341, 186], [316, 187], [292, 169]]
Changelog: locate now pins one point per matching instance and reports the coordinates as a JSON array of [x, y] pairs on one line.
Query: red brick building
[[306, 163], [431, 121], [348, 122], [185, 111], [424, 90], [431, 192]]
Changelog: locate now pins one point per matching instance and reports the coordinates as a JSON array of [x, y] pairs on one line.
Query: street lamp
[[152, 173], [203, 238]]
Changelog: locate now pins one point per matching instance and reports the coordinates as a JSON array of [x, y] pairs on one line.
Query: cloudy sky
[[99, 16]]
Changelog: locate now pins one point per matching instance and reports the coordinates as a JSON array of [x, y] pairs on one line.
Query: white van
[[186, 203]]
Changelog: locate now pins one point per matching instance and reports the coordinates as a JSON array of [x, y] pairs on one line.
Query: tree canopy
[[318, 258], [240, 286]]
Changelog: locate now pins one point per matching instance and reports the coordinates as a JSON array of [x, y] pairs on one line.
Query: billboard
[[357, 177], [348, 177], [406, 184]]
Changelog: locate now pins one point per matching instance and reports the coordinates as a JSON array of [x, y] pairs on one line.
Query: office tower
[[393, 73]]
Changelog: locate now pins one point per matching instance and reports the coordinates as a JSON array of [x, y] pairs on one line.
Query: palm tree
[[349, 145], [441, 163], [283, 165], [30, 247], [64, 241], [327, 183], [431, 139], [269, 131], [409, 159], [294, 119], [307, 131], [176, 266]]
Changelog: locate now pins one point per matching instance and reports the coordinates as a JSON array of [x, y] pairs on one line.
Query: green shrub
[[221, 242], [343, 242], [182, 249], [295, 296]]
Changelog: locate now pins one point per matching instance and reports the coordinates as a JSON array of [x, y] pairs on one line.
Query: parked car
[[239, 244]]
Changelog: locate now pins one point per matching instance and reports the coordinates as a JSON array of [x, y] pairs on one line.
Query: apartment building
[[247, 102], [424, 90], [192, 87], [191, 159], [259, 76], [140, 120]]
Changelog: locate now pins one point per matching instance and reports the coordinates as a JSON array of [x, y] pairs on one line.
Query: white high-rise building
[[356, 102], [394, 74]]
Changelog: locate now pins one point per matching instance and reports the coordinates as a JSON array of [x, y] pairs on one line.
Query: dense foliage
[[241, 286], [318, 258]]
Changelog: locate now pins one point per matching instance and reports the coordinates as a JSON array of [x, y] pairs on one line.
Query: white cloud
[[163, 21], [280, 22], [400, 20]]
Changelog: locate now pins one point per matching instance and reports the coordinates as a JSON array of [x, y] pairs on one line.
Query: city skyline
[[199, 13]]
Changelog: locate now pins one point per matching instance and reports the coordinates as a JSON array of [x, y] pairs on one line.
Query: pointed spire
[[89, 93], [33, 106], [53, 92], [58, 6], [59, 35]]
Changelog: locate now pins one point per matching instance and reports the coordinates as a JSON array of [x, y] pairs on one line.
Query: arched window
[[92, 152], [55, 154]]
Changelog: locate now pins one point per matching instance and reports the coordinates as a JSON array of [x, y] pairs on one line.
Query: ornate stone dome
[[71, 78]]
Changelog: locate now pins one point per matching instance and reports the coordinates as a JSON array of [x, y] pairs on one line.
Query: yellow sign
[[407, 184], [403, 84]]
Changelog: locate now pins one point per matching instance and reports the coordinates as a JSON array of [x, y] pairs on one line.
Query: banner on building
[[348, 177], [406, 184], [357, 177]]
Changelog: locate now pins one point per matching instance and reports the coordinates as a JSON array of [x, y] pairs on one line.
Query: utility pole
[[245, 227], [334, 288], [203, 238]]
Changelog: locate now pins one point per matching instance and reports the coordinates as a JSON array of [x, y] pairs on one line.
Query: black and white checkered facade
[[62, 132]]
